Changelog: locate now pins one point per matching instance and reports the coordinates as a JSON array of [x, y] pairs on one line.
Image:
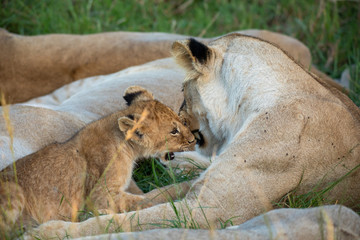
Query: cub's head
[[152, 126]]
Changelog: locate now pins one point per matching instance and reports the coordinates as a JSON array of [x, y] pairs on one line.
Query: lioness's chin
[[168, 156]]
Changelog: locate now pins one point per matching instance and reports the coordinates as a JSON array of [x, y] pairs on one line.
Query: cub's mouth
[[199, 137], [199, 141]]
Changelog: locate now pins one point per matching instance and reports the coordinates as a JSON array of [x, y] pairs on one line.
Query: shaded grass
[[151, 174]]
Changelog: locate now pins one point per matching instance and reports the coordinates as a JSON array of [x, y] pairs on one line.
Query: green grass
[[331, 30], [151, 174]]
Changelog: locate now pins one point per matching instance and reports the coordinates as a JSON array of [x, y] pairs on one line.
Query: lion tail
[[12, 203]]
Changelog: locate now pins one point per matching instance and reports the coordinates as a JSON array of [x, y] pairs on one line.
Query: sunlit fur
[[94, 167]]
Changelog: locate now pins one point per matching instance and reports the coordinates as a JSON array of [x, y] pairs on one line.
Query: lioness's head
[[152, 126], [198, 60], [207, 103], [229, 82]]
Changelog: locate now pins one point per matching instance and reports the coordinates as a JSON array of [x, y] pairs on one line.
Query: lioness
[[271, 126], [96, 164]]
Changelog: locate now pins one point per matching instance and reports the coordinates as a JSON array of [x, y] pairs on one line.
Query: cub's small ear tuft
[[136, 93], [199, 50]]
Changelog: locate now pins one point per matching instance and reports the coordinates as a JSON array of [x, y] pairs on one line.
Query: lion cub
[[94, 167]]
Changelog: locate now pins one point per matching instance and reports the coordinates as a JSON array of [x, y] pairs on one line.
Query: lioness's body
[[96, 163], [282, 127], [273, 127]]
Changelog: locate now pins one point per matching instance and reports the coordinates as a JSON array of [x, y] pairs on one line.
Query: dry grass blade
[[182, 8], [10, 130], [143, 116], [203, 32]]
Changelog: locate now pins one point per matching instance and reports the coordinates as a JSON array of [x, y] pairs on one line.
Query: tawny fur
[[94, 167], [269, 126]]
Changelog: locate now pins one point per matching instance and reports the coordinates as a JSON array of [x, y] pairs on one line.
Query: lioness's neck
[[250, 84]]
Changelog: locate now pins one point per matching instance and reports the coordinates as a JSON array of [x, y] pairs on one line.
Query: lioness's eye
[[174, 131]]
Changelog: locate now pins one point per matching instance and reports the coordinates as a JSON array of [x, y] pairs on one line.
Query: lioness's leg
[[168, 193], [129, 201]]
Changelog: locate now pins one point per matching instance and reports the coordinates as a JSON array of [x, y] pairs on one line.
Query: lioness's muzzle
[[169, 156], [199, 137]]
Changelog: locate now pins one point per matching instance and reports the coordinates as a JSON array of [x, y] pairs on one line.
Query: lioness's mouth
[[169, 156], [199, 137]]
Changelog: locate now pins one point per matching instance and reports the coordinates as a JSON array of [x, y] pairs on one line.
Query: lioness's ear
[[136, 93], [190, 54]]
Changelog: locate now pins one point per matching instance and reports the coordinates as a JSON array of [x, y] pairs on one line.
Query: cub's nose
[[191, 139]]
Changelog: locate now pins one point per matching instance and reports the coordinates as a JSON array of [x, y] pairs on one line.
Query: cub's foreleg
[[110, 195], [106, 194], [133, 188]]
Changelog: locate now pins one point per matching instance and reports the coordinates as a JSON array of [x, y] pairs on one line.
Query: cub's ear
[[126, 123], [190, 54], [136, 93]]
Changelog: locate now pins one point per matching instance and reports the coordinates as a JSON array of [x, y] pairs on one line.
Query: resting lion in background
[[32, 66], [269, 127]]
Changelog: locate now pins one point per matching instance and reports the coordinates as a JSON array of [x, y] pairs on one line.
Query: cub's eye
[[174, 131], [185, 123]]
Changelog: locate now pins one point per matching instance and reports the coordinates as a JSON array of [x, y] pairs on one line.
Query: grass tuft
[[316, 197]]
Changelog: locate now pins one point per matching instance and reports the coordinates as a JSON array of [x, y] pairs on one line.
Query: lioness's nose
[[192, 140]]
